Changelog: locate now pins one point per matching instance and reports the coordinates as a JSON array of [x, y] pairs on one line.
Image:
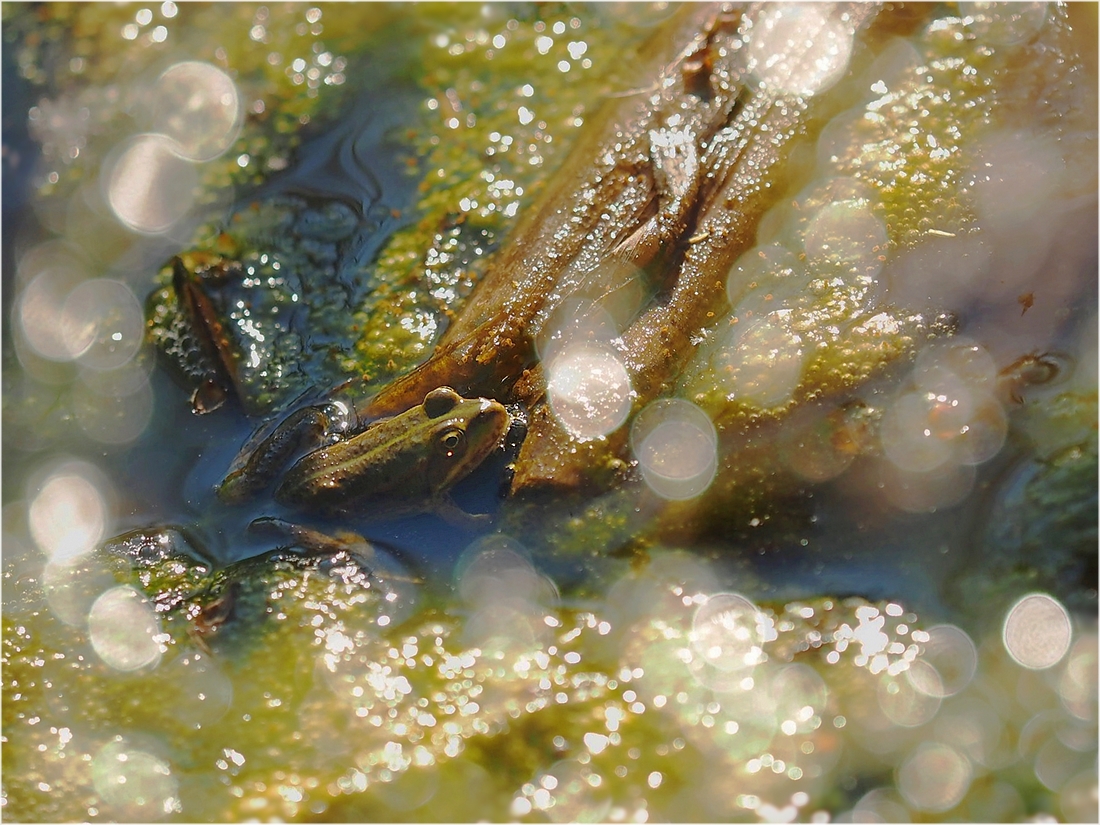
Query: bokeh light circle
[[905, 705], [572, 798], [1078, 685], [493, 567], [123, 627], [40, 311], [409, 790], [577, 322], [951, 415], [508, 597], [68, 513], [934, 778], [820, 449], [113, 419], [199, 108], [119, 381], [1079, 798], [878, 805], [676, 447], [847, 235], [948, 661], [589, 390], [103, 323], [764, 279], [198, 689], [983, 433], [149, 184], [135, 783], [926, 491], [906, 439], [939, 273], [798, 49], [1015, 176], [953, 361], [72, 586], [761, 361], [800, 696], [726, 633], [1002, 24], [1037, 631]]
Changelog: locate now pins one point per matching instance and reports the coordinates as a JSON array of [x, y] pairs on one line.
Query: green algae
[[808, 327], [305, 704], [423, 704]]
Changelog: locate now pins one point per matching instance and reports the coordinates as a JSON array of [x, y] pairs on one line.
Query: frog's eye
[[452, 441], [440, 401]]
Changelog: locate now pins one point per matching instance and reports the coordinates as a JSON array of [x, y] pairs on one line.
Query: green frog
[[409, 461]]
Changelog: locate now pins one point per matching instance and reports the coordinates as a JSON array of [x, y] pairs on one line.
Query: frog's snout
[[488, 425]]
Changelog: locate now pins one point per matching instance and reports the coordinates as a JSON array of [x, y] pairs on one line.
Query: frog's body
[[407, 462]]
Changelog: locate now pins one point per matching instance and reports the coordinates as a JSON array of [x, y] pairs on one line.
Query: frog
[[405, 463]]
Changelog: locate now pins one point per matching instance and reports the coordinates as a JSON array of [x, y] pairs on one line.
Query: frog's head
[[463, 433]]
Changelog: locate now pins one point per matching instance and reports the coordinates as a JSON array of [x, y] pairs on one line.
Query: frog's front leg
[[446, 508], [261, 460], [343, 544]]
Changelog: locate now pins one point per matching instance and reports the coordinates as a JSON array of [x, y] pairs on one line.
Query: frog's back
[[383, 464]]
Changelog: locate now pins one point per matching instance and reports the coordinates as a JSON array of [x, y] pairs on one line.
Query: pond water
[[839, 565]]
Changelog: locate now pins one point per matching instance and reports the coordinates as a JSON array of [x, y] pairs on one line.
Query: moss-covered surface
[[494, 112], [303, 704]]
